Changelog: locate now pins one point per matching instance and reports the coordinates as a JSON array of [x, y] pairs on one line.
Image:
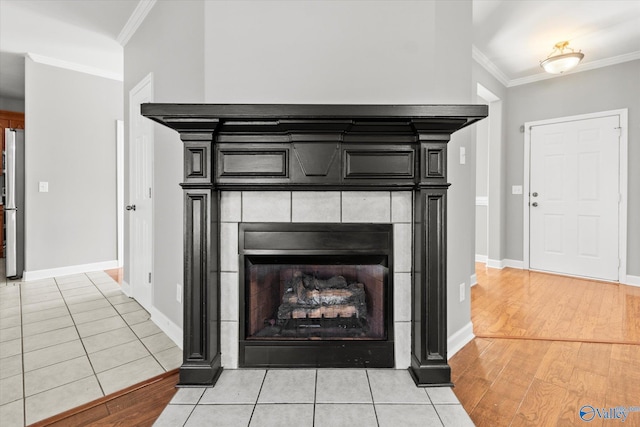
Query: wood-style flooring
[[547, 345]]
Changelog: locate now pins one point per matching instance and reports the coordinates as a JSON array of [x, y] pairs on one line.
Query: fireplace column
[[201, 327], [429, 295]]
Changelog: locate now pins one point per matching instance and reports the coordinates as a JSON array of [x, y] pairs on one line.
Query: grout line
[[264, 378], [315, 400], [373, 403]]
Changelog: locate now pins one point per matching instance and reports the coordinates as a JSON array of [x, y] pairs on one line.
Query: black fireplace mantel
[[314, 147]]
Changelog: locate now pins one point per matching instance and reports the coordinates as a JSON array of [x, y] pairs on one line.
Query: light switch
[[516, 189], [463, 155], [43, 187]]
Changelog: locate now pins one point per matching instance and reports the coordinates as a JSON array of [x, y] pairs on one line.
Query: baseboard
[[632, 280], [494, 263], [167, 326], [67, 271], [481, 258], [458, 340], [473, 280], [500, 264], [125, 287], [513, 263]]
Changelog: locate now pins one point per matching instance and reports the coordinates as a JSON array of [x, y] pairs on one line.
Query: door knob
[[131, 207], [534, 204], [534, 194]]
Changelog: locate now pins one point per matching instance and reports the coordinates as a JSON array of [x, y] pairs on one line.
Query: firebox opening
[[316, 297]]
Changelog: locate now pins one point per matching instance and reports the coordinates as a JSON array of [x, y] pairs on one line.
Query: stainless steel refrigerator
[[14, 202]]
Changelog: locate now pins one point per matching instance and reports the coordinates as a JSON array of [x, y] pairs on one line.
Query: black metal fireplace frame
[[340, 243], [267, 147]]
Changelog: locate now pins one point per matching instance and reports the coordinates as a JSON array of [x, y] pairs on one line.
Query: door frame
[[146, 83], [622, 179]]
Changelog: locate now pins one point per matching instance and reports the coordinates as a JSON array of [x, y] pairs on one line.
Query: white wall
[[602, 89], [169, 43], [71, 144], [355, 52]]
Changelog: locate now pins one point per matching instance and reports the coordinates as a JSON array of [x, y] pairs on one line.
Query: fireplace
[[316, 295], [279, 155]]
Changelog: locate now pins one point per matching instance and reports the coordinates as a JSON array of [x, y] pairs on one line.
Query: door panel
[[574, 195], [140, 196]]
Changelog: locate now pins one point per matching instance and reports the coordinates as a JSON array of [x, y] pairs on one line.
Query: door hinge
[[149, 192], [618, 131], [149, 277]]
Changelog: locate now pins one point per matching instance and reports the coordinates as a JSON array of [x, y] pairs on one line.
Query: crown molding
[[135, 20], [486, 63], [492, 69], [73, 66], [606, 62]]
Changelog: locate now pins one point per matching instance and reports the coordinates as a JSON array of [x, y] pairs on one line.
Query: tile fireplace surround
[[331, 164], [332, 207]]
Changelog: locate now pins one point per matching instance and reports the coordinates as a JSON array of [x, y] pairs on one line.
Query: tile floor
[[70, 340], [319, 398]]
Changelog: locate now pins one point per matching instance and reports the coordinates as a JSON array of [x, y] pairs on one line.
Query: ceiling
[[509, 37]]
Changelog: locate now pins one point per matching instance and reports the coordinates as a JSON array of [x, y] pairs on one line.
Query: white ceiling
[[510, 37]]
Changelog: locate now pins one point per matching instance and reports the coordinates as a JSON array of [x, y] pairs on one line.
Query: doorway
[[575, 212], [140, 208]]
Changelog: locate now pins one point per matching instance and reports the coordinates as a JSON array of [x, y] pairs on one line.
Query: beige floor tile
[[10, 348], [60, 399], [128, 307], [145, 329], [12, 414], [47, 339], [123, 376], [110, 358], [71, 278], [39, 316], [10, 312], [10, 366], [47, 325], [158, 342], [108, 339], [53, 354], [41, 297], [136, 317], [170, 358], [89, 306], [119, 299], [11, 389], [53, 376], [8, 334], [90, 316], [100, 326], [10, 322], [44, 305]]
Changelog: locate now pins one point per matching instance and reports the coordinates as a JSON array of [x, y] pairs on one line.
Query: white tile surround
[[395, 207]]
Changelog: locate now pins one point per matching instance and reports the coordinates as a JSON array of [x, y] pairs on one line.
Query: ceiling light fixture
[[561, 62]]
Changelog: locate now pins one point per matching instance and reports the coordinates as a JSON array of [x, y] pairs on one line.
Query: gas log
[[309, 297]]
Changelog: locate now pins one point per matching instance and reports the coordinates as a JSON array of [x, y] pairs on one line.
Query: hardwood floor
[[547, 345], [139, 405]]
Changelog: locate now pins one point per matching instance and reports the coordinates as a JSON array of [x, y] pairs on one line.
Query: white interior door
[[574, 196], [140, 208]]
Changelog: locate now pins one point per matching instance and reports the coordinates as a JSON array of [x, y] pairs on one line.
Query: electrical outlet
[[462, 292], [463, 155], [179, 292]]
